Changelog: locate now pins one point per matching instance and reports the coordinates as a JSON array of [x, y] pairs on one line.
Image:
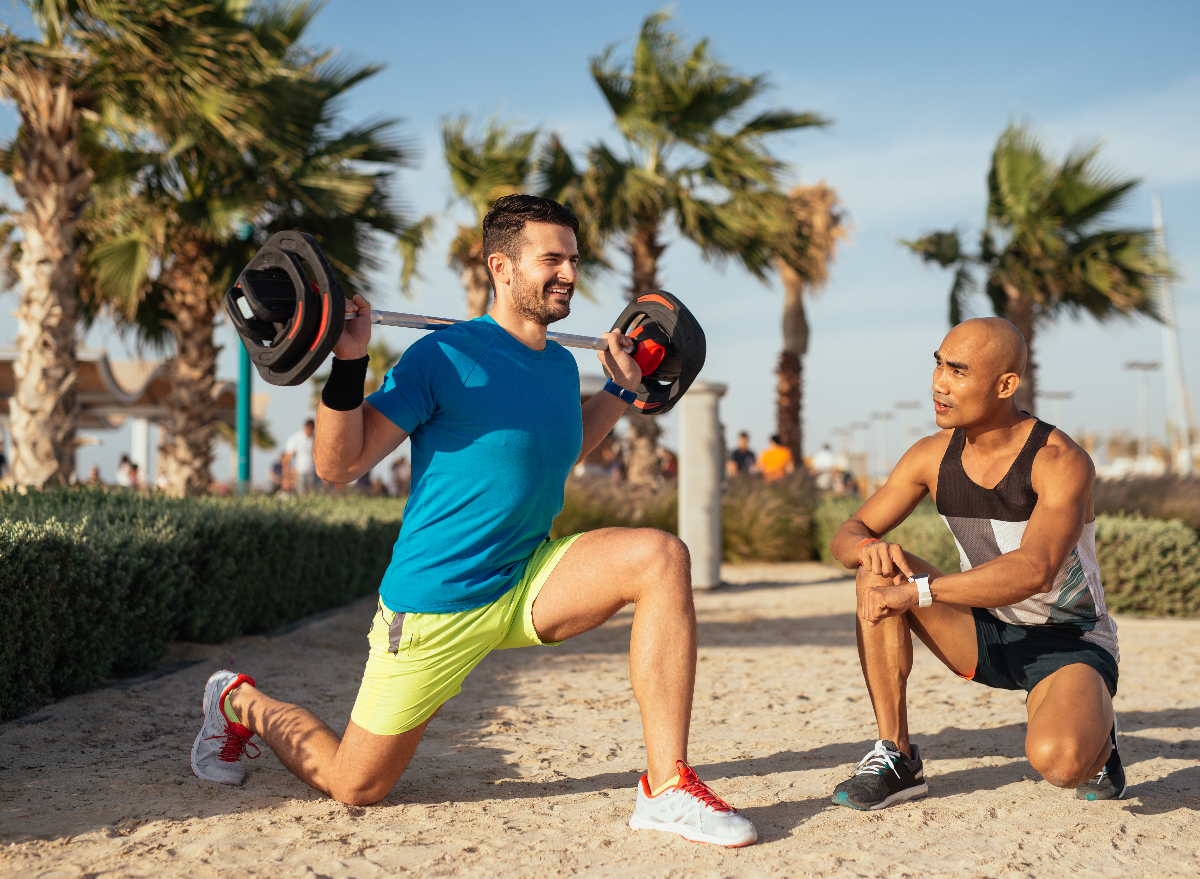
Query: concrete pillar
[[701, 471], [139, 452]]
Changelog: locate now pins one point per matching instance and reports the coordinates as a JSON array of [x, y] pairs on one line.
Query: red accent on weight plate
[[296, 320], [324, 322], [654, 297]]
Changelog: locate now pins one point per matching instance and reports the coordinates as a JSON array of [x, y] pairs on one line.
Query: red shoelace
[[235, 745], [689, 783]]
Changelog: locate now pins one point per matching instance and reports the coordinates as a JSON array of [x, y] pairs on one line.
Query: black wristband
[[343, 389]]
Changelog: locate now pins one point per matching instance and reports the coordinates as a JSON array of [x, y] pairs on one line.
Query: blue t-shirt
[[495, 429]]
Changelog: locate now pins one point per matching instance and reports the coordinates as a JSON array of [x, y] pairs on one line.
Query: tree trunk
[[789, 389], [185, 452], [1019, 311], [641, 467], [644, 250], [50, 178], [479, 289]]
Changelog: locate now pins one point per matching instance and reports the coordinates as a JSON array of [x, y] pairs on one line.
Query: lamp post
[[1057, 397], [1142, 367]]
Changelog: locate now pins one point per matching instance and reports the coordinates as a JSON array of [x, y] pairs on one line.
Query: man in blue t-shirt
[[492, 411]]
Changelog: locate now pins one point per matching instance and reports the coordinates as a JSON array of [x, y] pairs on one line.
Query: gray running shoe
[[220, 741], [693, 811], [883, 778], [1109, 783]]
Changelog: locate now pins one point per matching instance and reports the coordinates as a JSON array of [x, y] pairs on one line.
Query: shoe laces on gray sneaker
[[877, 760]]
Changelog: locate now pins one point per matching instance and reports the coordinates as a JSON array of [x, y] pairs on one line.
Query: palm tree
[[483, 168], [691, 159], [94, 63], [812, 224], [187, 211], [1044, 249]]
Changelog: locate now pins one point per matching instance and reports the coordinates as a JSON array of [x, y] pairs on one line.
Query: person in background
[[776, 461], [276, 476], [401, 476], [298, 460], [823, 464], [668, 463], [741, 459], [94, 476], [126, 473]]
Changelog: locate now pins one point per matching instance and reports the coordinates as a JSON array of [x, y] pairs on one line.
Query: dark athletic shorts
[[1021, 657]]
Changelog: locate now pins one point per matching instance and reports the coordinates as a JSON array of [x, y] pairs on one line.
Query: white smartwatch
[[924, 596]]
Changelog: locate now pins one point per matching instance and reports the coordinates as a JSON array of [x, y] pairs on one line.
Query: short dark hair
[[504, 225], [775, 439]]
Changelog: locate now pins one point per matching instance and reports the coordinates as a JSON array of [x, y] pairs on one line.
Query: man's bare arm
[[1063, 477], [347, 445], [603, 411], [887, 508]]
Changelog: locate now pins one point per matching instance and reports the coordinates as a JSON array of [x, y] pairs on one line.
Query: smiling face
[[977, 370], [544, 278]]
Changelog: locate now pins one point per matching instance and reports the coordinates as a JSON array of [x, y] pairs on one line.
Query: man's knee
[[1063, 762], [864, 579], [662, 559], [359, 795]]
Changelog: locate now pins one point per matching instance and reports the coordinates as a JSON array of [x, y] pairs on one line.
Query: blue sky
[[918, 94]]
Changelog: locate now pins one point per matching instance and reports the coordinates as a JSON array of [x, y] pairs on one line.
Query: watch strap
[[619, 392]]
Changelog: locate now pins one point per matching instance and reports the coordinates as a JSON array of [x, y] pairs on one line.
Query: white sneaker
[[693, 811], [221, 741]]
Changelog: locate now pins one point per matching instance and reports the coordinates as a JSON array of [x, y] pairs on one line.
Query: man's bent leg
[[885, 652], [1070, 718], [601, 573], [357, 769]]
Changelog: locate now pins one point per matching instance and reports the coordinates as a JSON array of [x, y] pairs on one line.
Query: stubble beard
[[529, 301]]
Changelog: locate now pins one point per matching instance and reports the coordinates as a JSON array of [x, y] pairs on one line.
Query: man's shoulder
[[1061, 454]]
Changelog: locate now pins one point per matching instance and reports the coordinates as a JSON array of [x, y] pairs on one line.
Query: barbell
[[289, 319]]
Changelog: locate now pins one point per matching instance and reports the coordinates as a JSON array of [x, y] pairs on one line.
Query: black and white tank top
[[987, 522]]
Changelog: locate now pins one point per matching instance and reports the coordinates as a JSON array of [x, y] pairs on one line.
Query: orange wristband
[[865, 542]]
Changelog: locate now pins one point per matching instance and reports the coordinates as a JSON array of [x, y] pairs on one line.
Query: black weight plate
[[662, 389], [293, 323]]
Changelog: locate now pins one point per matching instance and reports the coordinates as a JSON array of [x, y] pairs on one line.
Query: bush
[[96, 582], [760, 522], [923, 533], [1148, 566]]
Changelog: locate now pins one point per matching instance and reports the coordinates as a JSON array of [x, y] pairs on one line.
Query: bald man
[[1026, 612]]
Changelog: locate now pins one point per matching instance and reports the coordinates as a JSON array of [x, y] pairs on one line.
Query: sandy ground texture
[[531, 770]]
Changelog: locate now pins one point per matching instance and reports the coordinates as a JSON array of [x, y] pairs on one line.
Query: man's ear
[[1009, 382], [500, 266]]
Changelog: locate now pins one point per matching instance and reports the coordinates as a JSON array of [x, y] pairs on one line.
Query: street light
[[1142, 367], [1057, 397]]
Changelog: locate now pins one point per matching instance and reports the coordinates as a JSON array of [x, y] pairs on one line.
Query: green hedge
[[769, 523], [1147, 566], [95, 583]]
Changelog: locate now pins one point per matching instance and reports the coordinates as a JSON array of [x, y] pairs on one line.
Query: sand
[[531, 770]]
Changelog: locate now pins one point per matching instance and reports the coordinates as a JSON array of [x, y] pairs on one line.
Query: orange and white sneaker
[[221, 741], [688, 807]]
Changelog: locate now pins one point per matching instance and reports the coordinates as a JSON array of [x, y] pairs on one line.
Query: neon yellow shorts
[[419, 660]]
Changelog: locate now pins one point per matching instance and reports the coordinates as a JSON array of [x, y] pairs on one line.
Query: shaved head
[[996, 345]]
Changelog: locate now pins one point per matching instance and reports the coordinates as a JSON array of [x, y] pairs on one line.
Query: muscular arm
[[887, 508], [1063, 476], [347, 445], [604, 410]]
